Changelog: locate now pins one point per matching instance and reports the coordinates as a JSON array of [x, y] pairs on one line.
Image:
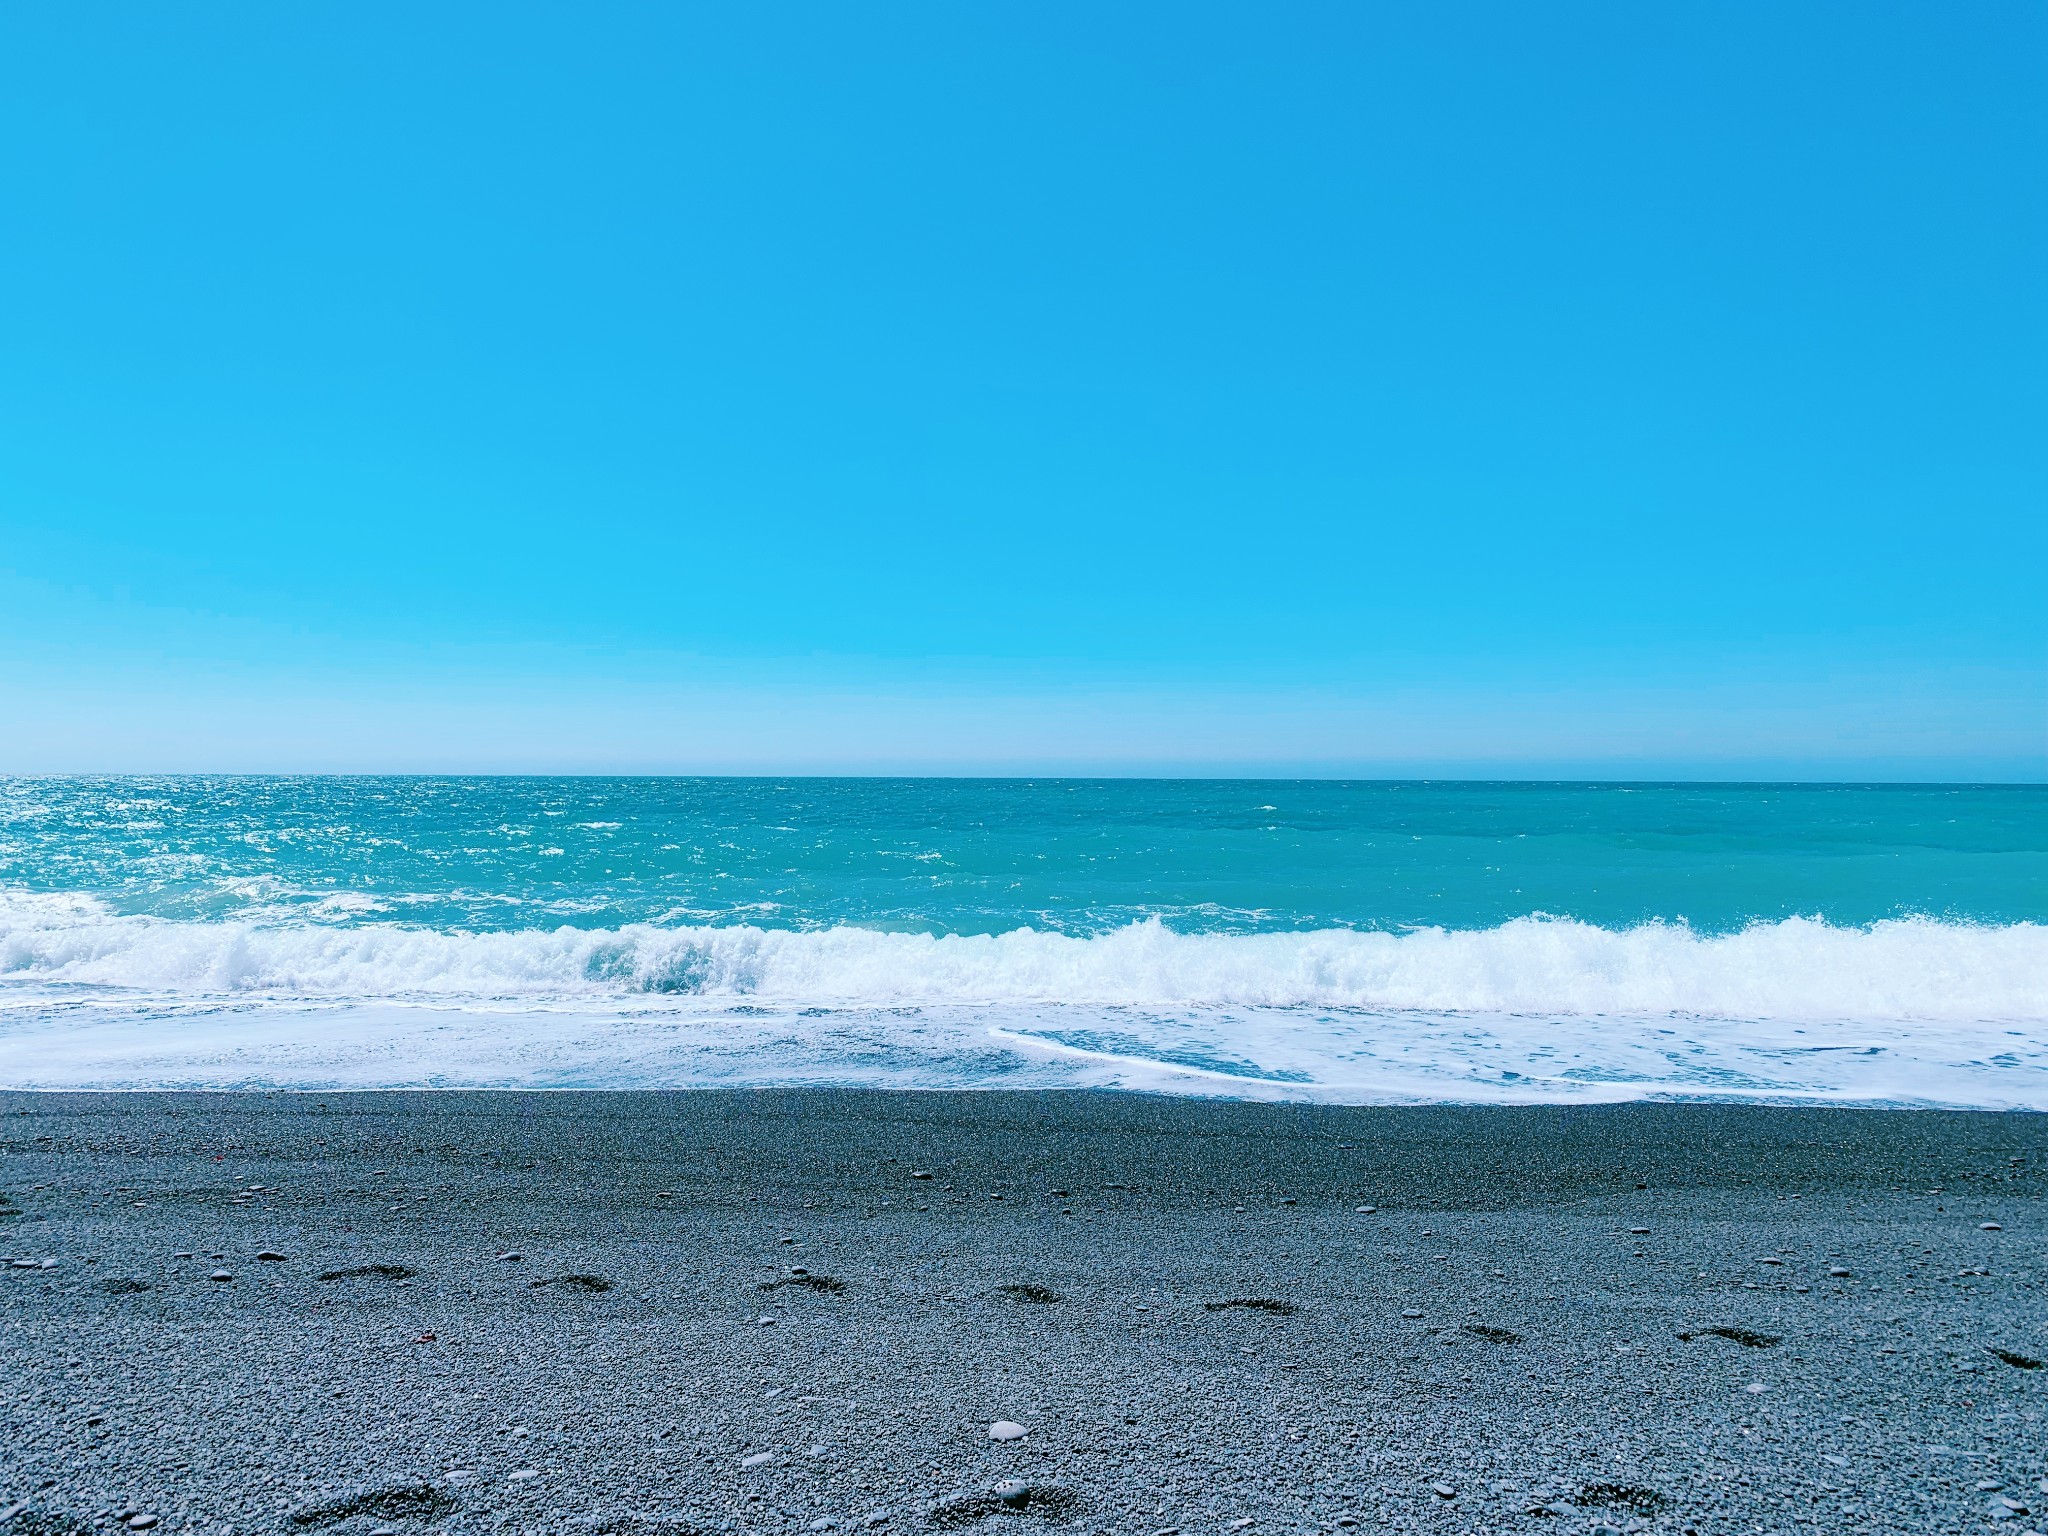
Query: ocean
[[1353, 942]]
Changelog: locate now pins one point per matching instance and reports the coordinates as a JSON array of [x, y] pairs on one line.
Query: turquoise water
[[1347, 940], [954, 856]]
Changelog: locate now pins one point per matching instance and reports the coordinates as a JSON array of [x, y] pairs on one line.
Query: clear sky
[[1447, 388]]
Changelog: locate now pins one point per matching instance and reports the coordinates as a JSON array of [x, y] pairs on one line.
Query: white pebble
[[1003, 1429], [758, 1459]]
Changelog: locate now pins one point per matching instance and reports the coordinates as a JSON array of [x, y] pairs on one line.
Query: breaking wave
[[1912, 968]]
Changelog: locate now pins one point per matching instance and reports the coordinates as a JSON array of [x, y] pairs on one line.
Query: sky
[[1466, 389]]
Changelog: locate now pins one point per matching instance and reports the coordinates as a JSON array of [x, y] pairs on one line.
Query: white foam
[[1915, 968], [1915, 1011]]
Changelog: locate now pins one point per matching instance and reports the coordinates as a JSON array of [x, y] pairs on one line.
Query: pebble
[[1365, 1210], [758, 1459], [181, 1255], [919, 1173], [524, 1474], [1756, 1387], [271, 1256], [764, 1322], [141, 1522], [1412, 1312], [1013, 1491], [879, 1517], [1838, 1273], [1003, 1429], [823, 1523], [511, 1258], [1989, 1226], [1443, 1490], [1638, 1231], [220, 1274]]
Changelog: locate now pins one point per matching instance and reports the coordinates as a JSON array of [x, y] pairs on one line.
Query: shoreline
[[1543, 1311]]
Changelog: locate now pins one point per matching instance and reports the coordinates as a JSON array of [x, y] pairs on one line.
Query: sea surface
[[1361, 942]]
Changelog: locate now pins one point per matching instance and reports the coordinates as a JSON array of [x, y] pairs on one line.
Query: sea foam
[[1911, 968]]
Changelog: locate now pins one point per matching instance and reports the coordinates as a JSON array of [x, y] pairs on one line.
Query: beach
[[816, 1310]]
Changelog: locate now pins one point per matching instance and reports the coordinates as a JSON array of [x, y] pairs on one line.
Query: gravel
[[395, 1375]]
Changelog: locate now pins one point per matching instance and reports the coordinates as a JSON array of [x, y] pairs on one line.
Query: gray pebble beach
[[816, 1310]]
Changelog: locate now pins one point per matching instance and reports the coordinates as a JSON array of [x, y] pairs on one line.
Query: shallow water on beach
[[1347, 941]]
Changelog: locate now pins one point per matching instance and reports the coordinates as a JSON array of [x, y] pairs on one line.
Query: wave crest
[[1799, 967]]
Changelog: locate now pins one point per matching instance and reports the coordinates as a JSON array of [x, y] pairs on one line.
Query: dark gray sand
[[806, 1310]]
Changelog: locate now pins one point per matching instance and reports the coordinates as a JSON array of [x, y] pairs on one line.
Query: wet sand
[[747, 1311]]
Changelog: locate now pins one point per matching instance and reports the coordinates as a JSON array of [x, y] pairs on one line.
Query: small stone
[[49, 1264], [460, 1475], [1013, 1491], [271, 1256], [1638, 1231], [1838, 1273], [758, 1459], [220, 1274], [919, 1173], [1756, 1388], [524, 1474], [1443, 1490], [511, 1258], [1003, 1429], [879, 1517], [1989, 1226], [1356, 1210], [823, 1523], [764, 1322], [141, 1522], [181, 1255], [1241, 1522], [1780, 1263], [1412, 1312]]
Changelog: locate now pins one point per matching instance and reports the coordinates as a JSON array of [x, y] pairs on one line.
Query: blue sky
[[1451, 389]]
